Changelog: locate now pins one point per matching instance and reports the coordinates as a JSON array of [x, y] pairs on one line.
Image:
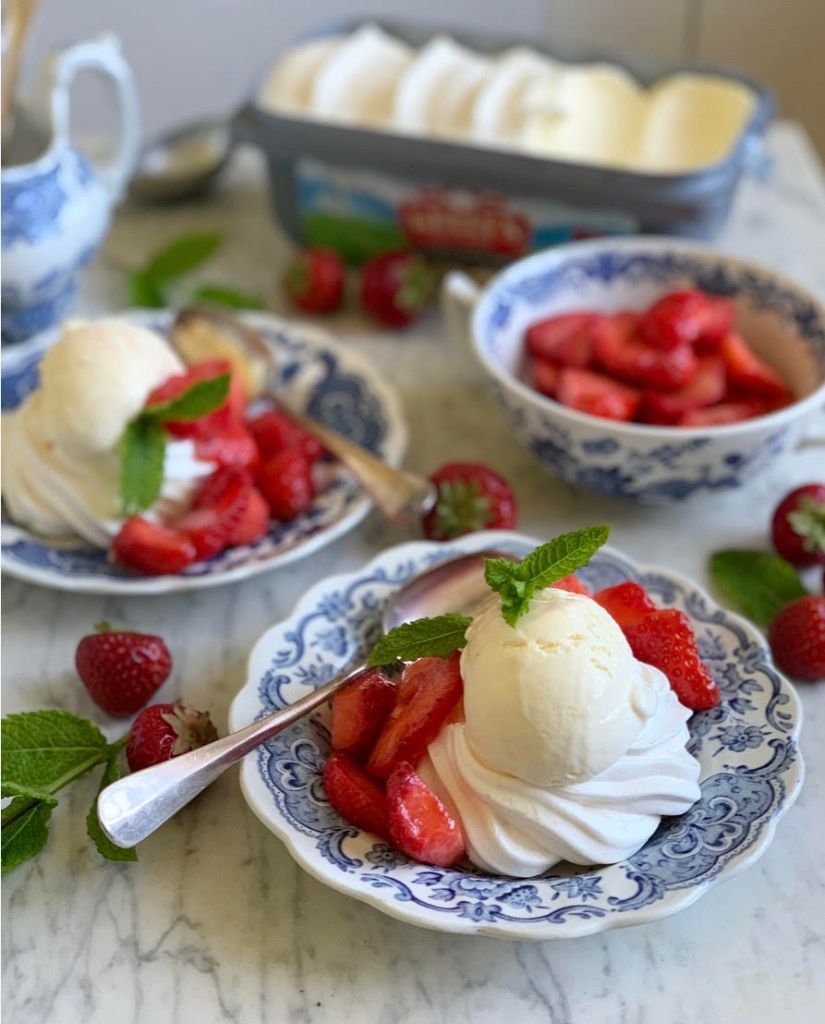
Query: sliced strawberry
[[717, 322], [209, 526], [420, 824], [231, 411], [355, 796], [665, 640], [274, 431], [621, 354], [417, 720], [626, 602], [596, 394], [566, 339], [685, 318], [254, 523], [572, 585], [359, 712], [724, 413], [545, 377], [706, 388], [747, 372], [152, 549], [232, 446], [285, 481]]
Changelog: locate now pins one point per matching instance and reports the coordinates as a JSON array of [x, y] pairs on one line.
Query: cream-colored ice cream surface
[[558, 697], [591, 113], [516, 828], [61, 469], [358, 82], [289, 85], [438, 91]]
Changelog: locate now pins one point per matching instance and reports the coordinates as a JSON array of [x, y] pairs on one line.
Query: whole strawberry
[[122, 670], [470, 497], [314, 280], [396, 287], [797, 638], [798, 526], [163, 731]]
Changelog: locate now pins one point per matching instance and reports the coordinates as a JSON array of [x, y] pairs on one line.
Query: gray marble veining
[[215, 922]]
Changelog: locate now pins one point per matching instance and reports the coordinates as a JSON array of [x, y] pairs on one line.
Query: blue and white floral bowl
[[747, 748], [314, 373], [652, 464]]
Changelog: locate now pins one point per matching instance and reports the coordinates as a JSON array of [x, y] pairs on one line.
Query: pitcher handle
[[104, 56]]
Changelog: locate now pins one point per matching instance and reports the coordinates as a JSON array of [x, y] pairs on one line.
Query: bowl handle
[[459, 296]]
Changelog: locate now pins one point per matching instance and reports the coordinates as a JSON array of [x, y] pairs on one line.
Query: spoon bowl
[[201, 332], [183, 163], [132, 808]]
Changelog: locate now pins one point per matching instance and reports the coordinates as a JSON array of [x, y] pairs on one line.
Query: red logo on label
[[464, 221]]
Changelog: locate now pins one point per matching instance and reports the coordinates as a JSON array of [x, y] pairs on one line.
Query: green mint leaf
[[30, 792], [47, 749], [144, 293], [424, 638], [181, 256], [759, 583], [203, 397], [517, 582], [142, 451], [217, 295], [26, 834], [105, 847]]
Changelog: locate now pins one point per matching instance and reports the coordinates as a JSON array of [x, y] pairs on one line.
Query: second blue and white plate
[[316, 374]]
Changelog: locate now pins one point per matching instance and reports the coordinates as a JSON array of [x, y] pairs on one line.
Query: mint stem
[[98, 757]]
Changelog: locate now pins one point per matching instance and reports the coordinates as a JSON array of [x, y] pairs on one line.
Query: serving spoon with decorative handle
[[132, 808], [401, 496]]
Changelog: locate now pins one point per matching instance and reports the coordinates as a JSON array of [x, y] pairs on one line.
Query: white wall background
[[194, 57]]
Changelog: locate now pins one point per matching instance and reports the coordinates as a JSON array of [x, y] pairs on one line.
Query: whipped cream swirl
[[514, 827]]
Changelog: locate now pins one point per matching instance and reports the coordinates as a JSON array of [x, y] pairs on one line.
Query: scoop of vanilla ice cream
[[96, 379], [289, 86], [438, 90], [61, 467], [557, 698], [357, 84]]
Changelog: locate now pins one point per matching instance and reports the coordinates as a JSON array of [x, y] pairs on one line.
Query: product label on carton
[[361, 213]]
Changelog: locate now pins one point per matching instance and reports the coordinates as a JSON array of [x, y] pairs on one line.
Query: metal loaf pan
[[364, 191]]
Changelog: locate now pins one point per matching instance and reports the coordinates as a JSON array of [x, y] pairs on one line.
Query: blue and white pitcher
[[56, 203]]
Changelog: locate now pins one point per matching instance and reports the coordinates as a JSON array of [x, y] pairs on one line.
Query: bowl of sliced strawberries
[[649, 368]]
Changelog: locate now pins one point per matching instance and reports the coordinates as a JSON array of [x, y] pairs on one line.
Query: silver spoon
[[402, 496], [183, 163], [132, 808]]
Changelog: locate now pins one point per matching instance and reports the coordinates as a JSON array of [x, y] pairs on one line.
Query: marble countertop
[[215, 922]]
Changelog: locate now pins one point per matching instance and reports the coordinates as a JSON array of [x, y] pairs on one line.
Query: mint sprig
[[147, 286], [436, 637], [517, 582], [758, 583], [111, 773], [43, 751], [142, 454], [218, 295], [143, 445]]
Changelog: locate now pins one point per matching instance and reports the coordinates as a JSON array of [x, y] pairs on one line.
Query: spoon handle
[[132, 808], [402, 496]]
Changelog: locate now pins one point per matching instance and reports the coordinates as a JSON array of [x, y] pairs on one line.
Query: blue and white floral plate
[[316, 374], [747, 747]]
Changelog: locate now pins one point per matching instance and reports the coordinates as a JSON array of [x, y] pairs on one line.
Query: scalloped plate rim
[[398, 436], [676, 900]]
